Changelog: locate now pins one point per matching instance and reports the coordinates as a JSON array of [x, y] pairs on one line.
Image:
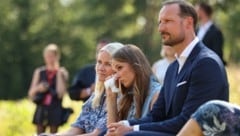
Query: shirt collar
[[207, 25], [186, 52], [203, 29]]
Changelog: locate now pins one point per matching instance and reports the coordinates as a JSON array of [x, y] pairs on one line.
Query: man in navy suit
[[197, 76], [208, 32]]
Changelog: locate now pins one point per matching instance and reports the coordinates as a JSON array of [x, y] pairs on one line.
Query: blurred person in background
[[47, 89], [160, 67], [208, 32]]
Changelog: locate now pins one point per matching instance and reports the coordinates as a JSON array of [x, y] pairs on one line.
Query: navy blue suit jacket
[[202, 78], [214, 40], [83, 79]]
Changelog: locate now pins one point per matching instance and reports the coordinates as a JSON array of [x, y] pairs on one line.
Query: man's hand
[[86, 92], [118, 129]]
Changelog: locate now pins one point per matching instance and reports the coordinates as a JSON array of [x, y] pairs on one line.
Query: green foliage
[[27, 26]]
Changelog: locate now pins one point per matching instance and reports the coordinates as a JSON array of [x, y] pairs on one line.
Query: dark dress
[[218, 118], [49, 111]]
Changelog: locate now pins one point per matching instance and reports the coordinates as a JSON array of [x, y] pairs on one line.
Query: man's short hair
[[206, 8], [186, 9]]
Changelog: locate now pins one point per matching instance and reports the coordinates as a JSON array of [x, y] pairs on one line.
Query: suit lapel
[[187, 65], [170, 85], [182, 75]]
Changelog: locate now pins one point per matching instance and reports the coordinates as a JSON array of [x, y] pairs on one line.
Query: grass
[[233, 72], [16, 116]]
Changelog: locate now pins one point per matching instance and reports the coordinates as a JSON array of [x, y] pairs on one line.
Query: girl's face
[[103, 66], [124, 73], [50, 58]]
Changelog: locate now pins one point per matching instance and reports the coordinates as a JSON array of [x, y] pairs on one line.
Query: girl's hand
[[43, 87]]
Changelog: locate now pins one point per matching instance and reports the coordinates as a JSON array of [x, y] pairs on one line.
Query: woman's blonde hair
[[52, 48], [110, 48], [132, 55]]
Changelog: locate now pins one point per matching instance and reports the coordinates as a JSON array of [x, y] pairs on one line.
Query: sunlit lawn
[[234, 81], [16, 116]]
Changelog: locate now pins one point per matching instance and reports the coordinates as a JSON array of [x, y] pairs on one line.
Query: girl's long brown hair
[[132, 55]]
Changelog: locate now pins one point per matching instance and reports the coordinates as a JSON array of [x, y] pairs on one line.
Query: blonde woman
[[47, 89], [92, 119]]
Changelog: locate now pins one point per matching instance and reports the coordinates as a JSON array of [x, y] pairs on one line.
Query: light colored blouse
[[154, 88], [91, 118]]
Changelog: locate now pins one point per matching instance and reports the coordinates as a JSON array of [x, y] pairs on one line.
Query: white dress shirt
[[160, 68], [186, 52], [203, 30]]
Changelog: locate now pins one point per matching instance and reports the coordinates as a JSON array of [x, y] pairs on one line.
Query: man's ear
[[188, 22]]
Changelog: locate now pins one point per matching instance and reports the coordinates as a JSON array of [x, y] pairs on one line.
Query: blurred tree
[[27, 26]]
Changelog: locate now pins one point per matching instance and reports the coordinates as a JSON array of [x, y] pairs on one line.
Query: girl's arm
[[35, 85], [61, 85], [112, 111]]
